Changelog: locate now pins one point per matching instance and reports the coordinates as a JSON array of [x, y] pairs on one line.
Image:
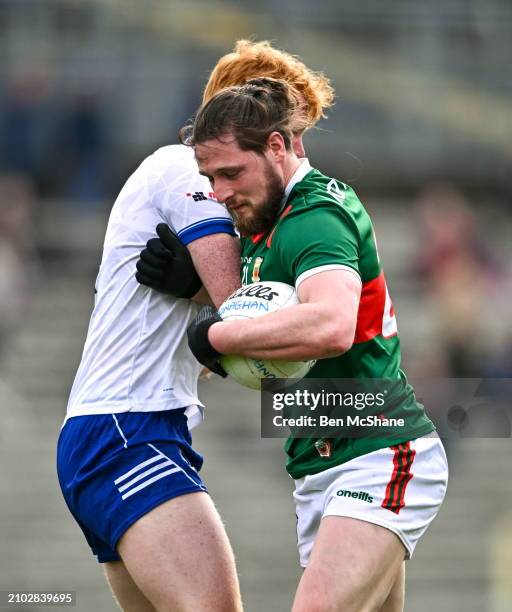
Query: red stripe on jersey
[[283, 215], [371, 309], [394, 499], [255, 238]]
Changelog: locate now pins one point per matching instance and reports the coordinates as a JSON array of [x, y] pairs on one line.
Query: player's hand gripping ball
[[249, 302]]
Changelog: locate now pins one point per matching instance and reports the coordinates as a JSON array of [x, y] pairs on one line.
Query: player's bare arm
[[323, 325], [216, 258]]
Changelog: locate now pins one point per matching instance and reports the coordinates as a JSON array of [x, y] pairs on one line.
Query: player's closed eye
[[230, 174]]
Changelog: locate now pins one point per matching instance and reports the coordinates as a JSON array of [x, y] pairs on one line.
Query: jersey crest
[[256, 269]]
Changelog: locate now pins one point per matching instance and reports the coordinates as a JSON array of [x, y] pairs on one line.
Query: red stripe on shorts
[[403, 458]]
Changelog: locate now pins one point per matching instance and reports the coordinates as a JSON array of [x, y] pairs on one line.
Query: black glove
[[166, 265], [198, 342]]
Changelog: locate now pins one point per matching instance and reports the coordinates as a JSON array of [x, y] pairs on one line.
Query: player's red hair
[[250, 60]]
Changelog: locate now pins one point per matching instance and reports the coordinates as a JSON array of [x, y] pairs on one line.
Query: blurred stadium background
[[422, 129]]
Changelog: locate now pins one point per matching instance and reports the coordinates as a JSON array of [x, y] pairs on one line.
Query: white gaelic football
[[249, 302]]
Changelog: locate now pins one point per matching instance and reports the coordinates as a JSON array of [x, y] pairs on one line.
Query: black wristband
[[197, 334]]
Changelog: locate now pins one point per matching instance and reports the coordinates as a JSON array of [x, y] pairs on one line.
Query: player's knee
[[170, 597], [322, 602], [189, 604], [315, 598], [316, 594]]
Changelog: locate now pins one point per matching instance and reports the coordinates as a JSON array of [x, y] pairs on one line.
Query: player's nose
[[223, 191]]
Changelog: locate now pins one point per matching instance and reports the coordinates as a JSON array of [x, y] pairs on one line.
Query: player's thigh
[[396, 598], [180, 557], [353, 567], [126, 592]]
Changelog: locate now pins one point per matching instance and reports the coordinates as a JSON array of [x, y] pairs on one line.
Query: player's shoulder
[[319, 190], [171, 169], [320, 202], [172, 160], [165, 166]]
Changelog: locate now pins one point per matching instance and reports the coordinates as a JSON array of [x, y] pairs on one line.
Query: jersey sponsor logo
[[376, 315], [362, 495], [199, 196]]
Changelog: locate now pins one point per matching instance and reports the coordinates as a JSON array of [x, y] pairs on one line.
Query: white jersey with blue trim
[[136, 357]]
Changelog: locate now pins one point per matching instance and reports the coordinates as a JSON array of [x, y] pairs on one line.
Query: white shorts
[[400, 488]]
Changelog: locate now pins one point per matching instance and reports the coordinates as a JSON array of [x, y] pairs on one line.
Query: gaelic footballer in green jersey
[[309, 231], [324, 226], [320, 239]]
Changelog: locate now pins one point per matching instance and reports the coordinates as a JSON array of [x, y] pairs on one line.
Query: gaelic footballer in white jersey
[[136, 357]]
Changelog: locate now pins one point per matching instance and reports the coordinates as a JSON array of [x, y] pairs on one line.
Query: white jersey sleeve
[[136, 356], [184, 198]]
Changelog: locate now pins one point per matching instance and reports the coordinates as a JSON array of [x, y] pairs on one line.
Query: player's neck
[[290, 166]]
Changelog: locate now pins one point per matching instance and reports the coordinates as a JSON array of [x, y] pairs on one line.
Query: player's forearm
[[306, 331], [216, 259]]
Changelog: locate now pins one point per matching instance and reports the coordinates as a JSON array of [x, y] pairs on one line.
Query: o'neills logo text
[[257, 291], [362, 495]]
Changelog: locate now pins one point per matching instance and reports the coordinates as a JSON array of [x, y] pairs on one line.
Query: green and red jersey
[[324, 226]]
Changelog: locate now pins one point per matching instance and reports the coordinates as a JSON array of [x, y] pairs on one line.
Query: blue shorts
[[114, 468]]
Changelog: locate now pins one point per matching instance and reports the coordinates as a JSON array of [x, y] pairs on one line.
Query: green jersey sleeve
[[314, 237]]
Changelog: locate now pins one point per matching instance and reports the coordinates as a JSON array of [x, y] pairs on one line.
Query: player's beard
[[264, 215]]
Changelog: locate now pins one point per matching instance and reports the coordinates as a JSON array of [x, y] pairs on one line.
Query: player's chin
[[243, 219]]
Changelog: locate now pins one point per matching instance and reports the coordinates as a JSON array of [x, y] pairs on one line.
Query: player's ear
[[276, 146]]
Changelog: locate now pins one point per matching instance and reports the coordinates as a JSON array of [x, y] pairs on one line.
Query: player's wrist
[[199, 342]]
